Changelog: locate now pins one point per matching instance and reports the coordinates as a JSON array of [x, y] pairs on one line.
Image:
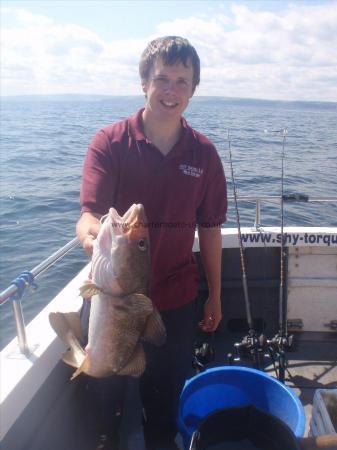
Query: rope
[[22, 282]]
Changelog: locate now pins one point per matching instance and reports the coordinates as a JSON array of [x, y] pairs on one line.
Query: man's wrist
[[212, 298]]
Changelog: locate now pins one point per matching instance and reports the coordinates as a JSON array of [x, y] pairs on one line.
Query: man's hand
[[87, 229], [210, 251], [88, 241], [212, 315]]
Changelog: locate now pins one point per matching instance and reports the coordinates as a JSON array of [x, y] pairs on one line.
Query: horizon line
[[17, 96]]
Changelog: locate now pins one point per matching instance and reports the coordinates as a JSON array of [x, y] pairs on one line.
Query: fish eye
[[142, 245]]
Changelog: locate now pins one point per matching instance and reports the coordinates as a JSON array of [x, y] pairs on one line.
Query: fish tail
[[83, 368]]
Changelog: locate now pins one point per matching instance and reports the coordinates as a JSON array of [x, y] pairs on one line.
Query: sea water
[[44, 141]]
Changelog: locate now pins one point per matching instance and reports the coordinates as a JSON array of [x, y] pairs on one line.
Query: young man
[[156, 159]]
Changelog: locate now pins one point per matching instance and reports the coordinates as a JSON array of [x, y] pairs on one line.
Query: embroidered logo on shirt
[[190, 170]]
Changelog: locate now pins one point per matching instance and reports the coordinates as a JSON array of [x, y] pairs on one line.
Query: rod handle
[[326, 442]]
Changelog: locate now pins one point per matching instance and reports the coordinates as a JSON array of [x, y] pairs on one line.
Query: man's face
[[168, 89]]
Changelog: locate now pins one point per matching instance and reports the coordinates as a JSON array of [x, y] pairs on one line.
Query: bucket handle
[[195, 438]]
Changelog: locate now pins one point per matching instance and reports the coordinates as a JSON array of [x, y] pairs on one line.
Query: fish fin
[[89, 289], [74, 321], [154, 330], [60, 325], [75, 355], [140, 303], [83, 368], [136, 364]]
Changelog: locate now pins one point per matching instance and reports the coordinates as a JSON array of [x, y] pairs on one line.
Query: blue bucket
[[224, 387]]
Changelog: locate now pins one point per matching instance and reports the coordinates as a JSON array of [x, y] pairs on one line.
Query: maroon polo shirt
[[178, 191]]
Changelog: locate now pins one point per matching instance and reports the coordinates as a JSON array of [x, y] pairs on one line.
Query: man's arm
[[87, 229], [210, 251]]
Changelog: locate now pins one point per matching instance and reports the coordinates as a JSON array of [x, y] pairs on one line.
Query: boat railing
[[24, 280], [14, 291], [296, 197]]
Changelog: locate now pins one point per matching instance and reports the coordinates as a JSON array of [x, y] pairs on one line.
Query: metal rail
[[289, 198], [11, 290], [40, 268]]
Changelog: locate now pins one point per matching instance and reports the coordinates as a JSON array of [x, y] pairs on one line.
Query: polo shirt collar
[[135, 126], [136, 131]]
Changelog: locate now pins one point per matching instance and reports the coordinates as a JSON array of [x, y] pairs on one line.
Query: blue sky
[[116, 19], [254, 49]]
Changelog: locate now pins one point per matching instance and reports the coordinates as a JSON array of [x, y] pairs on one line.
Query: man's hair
[[171, 49]]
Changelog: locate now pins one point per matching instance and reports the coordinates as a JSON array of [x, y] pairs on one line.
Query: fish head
[[121, 256]]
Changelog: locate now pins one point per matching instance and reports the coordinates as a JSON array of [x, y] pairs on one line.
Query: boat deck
[[312, 365], [57, 416]]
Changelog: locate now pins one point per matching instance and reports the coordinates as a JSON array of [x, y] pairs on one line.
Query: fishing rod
[[259, 347], [282, 324], [281, 341], [251, 342]]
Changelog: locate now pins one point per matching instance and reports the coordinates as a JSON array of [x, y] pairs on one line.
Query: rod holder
[[20, 327], [257, 223]]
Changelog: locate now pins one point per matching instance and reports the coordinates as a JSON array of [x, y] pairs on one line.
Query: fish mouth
[[117, 222], [133, 219]]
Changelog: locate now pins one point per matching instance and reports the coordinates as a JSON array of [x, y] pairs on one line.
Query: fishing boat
[[42, 409]]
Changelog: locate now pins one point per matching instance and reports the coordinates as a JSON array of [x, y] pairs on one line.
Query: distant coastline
[[197, 98], [63, 97], [99, 97]]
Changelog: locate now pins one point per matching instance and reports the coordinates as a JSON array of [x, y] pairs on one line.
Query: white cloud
[[288, 55], [26, 17], [282, 55]]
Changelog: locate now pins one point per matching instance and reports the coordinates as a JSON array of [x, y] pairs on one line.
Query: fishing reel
[[251, 347], [277, 348], [279, 341]]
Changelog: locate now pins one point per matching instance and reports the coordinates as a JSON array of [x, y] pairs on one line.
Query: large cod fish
[[121, 314]]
